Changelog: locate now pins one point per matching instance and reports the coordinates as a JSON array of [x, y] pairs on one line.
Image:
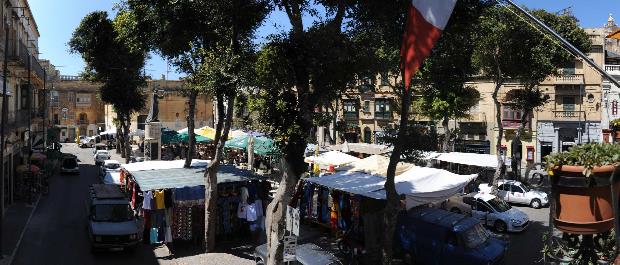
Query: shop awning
[[162, 164], [352, 182], [188, 177], [472, 159]]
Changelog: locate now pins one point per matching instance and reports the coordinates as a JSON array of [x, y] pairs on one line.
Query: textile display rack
[[170, 200]]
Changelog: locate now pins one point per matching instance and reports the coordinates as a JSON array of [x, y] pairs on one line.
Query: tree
[[112, 62], [295, 74], [211, 42], [508, 48]]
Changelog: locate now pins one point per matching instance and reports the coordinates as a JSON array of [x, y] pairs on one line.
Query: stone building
[[75, 107], [24, 83]]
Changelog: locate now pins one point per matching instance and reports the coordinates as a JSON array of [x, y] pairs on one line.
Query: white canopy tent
[[108, 131], [375, 165], [364, 148], [480, 160], [420, 185], [334, 158], [162, 164]]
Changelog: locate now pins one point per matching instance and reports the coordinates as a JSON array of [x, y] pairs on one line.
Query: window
[[142, 122], [350, 109], [568, 103], [614, 107], [366, 105], [383, 109], [385, 81], [55, 99], [504, 187], [24, 95], [71, 97], [83, 118], [511, 118], [517, 189], [482, 206], [56, 120], [83, 100]]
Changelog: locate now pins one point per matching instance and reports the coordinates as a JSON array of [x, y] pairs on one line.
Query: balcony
[[351, 115], [17, 119], [571, 115], [568, 79], [387, 115], [18, 52], [36, 67], [513, 124], [612, 69], [82, 122]]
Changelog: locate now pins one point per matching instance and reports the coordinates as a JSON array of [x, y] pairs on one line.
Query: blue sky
[[57, 19]]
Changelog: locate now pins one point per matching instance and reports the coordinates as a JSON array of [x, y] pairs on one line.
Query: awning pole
[[566, 44]]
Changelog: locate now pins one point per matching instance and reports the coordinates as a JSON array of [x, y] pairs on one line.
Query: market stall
[[170, 199], [376, 165], [334, 158]]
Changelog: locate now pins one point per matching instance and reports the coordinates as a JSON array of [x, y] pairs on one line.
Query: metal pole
[[30, 101], [566, 44], [44, 109], [4, 120]]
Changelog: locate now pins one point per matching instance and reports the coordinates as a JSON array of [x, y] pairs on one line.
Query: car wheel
[[536, 204], [455, 210], [500, 226]]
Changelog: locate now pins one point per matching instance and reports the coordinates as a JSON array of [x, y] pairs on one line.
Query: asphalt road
[[524, 247], [57, 232]]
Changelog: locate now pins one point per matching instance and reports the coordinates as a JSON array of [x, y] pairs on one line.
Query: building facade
[[24, 86], [75, 107]]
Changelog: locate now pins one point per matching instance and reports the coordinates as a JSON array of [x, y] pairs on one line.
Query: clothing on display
[[148, 197], [159, 199]]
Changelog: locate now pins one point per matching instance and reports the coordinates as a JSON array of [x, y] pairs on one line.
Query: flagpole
[[566, 44]]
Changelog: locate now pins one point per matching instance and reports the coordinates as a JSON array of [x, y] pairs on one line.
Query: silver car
[[516, 192], [490, 210]]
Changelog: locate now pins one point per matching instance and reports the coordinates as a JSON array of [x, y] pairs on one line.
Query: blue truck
[[436, 236]]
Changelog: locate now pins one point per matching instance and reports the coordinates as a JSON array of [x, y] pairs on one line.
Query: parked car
[[516, 192], [100, 156], [109, 165], [490, 210], [69, 164], [87, 142], [111, 222], [437, 236]]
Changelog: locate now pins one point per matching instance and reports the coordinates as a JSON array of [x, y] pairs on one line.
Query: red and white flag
[[425, 21]]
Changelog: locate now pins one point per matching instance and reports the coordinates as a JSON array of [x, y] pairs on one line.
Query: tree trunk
[[127, 146], [292, 168], [500, 135], [191, 110], [514, 162], [392, 205], [211, 194], [446, 129]]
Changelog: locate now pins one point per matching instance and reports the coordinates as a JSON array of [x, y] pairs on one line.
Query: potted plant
[[615, 126], [579, 249], [581, 179]]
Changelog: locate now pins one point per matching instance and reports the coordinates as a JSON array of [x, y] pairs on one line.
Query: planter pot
[[617, 134], [583, 205]]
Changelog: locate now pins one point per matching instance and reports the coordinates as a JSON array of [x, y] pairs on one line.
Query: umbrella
[[236, 134], [38, 156], [24, 168], [167, 136], [206, 131], [184, 138], [262, 145]]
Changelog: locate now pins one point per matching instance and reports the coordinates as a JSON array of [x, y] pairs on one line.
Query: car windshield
[[475, 236], [112, 213], [112, 166], [499, 205], [69, 163]]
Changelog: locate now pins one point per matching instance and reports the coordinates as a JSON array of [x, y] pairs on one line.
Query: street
[[525, 247], [57, 231]]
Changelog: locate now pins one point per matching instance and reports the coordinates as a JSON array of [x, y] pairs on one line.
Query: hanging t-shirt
[[250, 212], [159, 200], [154, 235], [148, 197]]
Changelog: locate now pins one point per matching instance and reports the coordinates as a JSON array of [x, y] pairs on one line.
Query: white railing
[[612, 68]]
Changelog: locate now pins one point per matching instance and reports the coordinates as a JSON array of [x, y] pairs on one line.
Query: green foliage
[[526, 100], [615, 124], [418, 138], [588, 155], [110, 61], [507, 47]]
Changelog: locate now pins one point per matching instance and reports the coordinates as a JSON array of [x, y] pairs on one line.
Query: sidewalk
[[16, 219]]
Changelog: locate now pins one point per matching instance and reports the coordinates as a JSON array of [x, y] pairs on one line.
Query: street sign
[[292, 220], [290, 246]]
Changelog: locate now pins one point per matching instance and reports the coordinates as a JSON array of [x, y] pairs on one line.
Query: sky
[[57, 19]]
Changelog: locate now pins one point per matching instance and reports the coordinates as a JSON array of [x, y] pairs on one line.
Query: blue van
[[435, 236]]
